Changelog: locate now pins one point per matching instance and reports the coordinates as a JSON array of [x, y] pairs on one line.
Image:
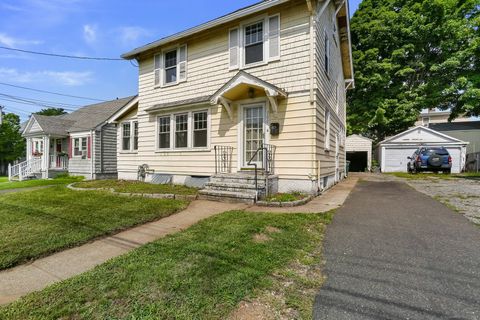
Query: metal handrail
[[268, 157]]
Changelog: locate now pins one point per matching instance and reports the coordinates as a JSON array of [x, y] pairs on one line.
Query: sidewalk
[[331, 199], [43, 272]]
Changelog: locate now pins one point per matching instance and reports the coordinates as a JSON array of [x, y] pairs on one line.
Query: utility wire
[[62, 55], [50, 92], [40, 101]]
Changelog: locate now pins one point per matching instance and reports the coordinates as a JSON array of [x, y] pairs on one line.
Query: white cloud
[[13, 42], [90, 33], [131, 34], [66, 78]]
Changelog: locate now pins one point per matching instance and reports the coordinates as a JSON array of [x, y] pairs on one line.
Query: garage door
[[396, 159], [456, 155]]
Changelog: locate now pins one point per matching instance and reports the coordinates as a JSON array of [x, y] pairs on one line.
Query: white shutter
[[274, 37], [182, 63], [157, 68], [234, 48]]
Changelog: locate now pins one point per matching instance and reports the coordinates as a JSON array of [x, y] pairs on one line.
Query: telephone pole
[[1, 115]]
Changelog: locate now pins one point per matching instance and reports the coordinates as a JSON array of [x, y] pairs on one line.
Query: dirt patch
[[271, 229], [261, 238], [251, 311]]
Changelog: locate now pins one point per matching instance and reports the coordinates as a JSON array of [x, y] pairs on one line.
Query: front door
[[253, 133]]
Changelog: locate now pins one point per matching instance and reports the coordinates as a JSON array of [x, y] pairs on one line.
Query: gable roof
[[84, 119], [359, 136], [240, 13], [448, 139]]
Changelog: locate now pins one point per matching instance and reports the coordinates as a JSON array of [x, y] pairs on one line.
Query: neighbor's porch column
[[29, 149], [46, 157]]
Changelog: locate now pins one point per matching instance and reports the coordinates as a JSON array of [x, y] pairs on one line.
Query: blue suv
[[430, 159]]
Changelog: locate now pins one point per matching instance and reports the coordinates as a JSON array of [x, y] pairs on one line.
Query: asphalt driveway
[[394, 253]]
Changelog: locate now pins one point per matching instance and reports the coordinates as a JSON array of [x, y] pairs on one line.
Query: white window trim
[[80, 148], [132, 131], [266, 39], [173, 128], [162, 83]]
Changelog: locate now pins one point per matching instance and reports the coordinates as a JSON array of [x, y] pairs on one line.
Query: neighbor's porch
[[46, 153]]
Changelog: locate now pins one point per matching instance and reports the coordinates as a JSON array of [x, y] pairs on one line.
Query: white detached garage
[[393, 152]]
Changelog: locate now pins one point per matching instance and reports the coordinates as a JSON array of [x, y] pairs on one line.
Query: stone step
[[227, 196], [240, 179], [234, 187]]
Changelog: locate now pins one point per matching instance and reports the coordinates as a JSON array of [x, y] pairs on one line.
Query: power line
[[40, 101], [50, 92], [62, 55]]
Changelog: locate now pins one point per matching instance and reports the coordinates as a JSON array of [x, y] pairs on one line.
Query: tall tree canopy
[[12, 144], [410, 55], [51, 112]]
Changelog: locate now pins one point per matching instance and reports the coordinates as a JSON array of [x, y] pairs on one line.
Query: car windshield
[[439, 151]]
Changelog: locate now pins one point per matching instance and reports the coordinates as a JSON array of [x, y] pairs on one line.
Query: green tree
[[12, 144], [51, 112], [410, 55]]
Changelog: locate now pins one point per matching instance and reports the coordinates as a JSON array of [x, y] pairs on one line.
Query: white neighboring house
[[272, 75], [393, 151], [359, 152], [80, 143]]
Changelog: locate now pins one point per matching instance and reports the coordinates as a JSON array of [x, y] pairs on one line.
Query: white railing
[[24, 169], [58, 162]]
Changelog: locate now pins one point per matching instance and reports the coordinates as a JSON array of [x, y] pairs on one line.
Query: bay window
[[200, 129], [181, 130], [164, 132]]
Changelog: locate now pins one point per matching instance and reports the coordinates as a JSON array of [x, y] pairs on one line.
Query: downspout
[[313, 177]]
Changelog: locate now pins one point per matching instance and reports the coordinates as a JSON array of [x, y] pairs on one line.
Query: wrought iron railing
[[267, 154], [223, 159]]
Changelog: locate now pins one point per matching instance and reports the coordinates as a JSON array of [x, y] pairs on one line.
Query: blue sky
[[104, 28]]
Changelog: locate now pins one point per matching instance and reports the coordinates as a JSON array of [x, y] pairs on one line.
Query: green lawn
[[3, 179], [37, 183], [415, 176], [200, 273], [36, 223], [138, 187]]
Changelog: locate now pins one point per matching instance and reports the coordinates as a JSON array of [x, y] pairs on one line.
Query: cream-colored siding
[[300, 141]]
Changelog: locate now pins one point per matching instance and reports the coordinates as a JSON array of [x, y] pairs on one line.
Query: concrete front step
[[227, 196], [236, 187]]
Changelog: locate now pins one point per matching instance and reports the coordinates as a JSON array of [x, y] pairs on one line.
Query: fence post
[[9, 172], [478, 161]]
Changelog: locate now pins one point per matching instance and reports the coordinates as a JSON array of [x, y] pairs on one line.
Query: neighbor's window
[[164, 132], [79, 146], [181, 130], [254, 43], [171, 66], [200, 129], [126, 134], [135, 135]]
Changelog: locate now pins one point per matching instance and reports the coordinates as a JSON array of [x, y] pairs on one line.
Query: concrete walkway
[[331, 199], [394, 253], [27, 278]]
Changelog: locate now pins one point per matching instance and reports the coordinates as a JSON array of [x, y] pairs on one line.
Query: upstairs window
[[170, 67], [254, 43]]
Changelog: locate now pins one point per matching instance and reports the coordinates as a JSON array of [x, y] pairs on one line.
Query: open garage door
[[358, 161]]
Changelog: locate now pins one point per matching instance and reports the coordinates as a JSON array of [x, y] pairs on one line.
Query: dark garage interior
[[358, 161]]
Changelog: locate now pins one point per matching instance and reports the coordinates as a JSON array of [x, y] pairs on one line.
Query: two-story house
[[257, 92]]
